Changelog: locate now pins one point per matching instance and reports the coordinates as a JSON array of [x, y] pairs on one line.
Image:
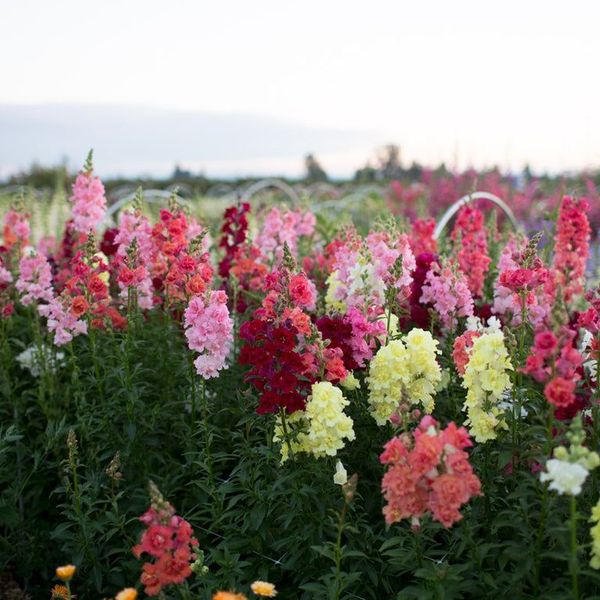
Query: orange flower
[[66, 572], [262, 588], [79, 306], [59, 592], [127, 594], [228, 596]]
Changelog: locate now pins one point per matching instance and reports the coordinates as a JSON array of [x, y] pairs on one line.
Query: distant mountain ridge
[[131, 140]]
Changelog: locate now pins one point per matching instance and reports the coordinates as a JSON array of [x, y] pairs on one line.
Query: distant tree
[[179, 173], [415, 171], [314, 171], [367, 174], [40, 177], [390, 166]]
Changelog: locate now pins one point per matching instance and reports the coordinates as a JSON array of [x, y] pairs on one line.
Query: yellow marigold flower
[[262, 588], [404, 370], [66, 572], [486, 379], [228, 596], [127, 594], [59, 592]]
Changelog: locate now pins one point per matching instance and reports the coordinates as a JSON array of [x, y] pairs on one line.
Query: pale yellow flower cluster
[[595, 533], [404, 371], [323, 427], [486, 378], [331, 302]]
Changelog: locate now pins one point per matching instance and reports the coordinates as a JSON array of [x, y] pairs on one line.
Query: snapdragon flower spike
[[234, 232], [181, 267], [572, 245], [472, 257], [89, 200], [428, 472], [283, 348], [524, 287], [282, 228], [16, 229], [208, 330], [446, 289], [62, 314], [35, 279], [421, 237], [169, 540], [556, 362]]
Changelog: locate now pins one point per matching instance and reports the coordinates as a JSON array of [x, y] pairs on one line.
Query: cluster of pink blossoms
[[472, 257], [421, 237], [134, 257], [524, 286], [362, 270], [35, 279], [16, 229], [62, 319], [557, 363], [572, 245], [446, 289], [428, 471], [209, 331], [89, 200], [280, 228]]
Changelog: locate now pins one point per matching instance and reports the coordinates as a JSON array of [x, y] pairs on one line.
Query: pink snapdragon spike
[[208, 330], [523, 290], [447, 291], [284, 227], [428, 472], [572, 245], [16, 229], [62, 320], [35, 279], [89, 200]]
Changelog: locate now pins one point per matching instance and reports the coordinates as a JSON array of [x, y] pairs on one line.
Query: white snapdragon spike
[[565, 477], [31, 360], [474, 323], [340, 477], [494, 324], [590, 364]]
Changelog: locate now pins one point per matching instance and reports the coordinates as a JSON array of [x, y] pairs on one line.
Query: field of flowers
[[283, 403]]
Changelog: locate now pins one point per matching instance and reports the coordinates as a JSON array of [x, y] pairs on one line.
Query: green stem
[[338, 551], [285, 432], [573, 562]]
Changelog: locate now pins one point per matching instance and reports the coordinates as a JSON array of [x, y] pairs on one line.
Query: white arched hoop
[[264, 184], [454, 208]]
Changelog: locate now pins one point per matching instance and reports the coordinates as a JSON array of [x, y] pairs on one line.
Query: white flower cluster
[[33, 360]]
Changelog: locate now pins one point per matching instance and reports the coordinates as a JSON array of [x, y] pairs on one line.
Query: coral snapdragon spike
[[428, 472], [169, 540], [572, 245], [472, 257]]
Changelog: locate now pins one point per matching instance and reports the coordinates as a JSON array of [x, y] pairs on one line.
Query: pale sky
[[469, 82]]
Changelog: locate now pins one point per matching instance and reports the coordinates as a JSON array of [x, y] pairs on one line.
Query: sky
[[467, 82]]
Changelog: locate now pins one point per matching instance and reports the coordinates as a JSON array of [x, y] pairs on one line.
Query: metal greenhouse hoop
[[454, 208]]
